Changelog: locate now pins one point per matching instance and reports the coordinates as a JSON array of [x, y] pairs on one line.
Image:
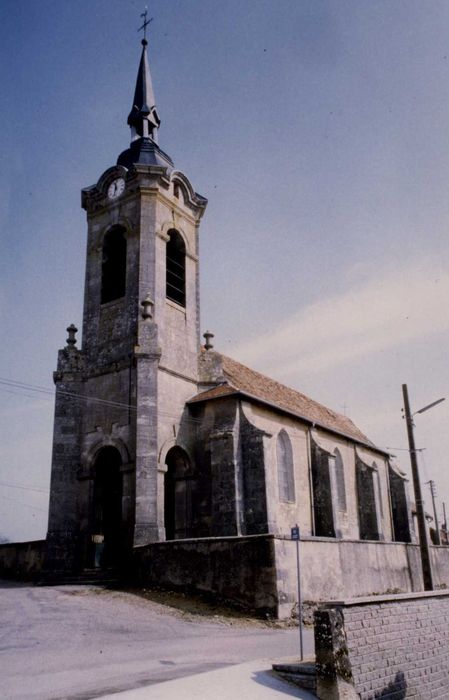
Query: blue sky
[[319, 133]]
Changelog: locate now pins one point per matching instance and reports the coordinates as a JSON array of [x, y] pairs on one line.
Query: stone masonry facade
[[160, 439]]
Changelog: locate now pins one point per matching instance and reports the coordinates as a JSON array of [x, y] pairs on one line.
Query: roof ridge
[[248, 382], [285, 386]]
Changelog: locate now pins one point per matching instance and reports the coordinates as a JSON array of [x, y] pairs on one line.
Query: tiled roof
[[243, 380]]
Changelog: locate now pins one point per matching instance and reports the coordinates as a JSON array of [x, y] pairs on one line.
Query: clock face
[[116, 188]]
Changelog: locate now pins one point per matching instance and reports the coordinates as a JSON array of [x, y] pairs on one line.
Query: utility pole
[[437, 527], [420, 515], [445, 523], [296, 536]]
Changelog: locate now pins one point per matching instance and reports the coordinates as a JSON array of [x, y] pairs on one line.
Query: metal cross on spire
[[145, 24]]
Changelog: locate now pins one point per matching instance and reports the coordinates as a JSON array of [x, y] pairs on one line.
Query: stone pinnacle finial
[[72, 330], [207, 336], [147, 306]]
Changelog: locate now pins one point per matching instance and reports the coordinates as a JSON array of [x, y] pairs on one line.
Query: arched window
[[399, 506], [286, 479], [176, 268], [376, 477], [366, 483], [113, 268], [323, 503], [180, 496], [340, 481]]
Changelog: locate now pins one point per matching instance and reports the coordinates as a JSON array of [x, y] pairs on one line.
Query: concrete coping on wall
[[388, 598], [287, 538], [219, 538], [344, 540], [273, 536]]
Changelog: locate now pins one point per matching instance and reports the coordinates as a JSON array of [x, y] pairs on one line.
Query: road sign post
[[296, 537]]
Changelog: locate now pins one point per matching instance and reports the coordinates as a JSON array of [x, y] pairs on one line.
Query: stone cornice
[[94, 199], [195, 200]]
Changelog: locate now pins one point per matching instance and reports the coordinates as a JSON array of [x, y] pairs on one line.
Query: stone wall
[[327, 568], [389, 647], [259, 571], [439, 557], [21, 560], [333, 569], [239, 570]]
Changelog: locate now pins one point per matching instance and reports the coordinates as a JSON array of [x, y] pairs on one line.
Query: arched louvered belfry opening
[[113, 266], [179, 495], [176, 268], [286, 479]]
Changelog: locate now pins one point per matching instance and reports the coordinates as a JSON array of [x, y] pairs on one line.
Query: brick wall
[[388, 647]]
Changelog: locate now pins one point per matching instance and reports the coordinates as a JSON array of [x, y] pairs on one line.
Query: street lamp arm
[[430, 405]]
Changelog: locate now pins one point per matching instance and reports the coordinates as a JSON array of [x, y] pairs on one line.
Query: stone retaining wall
[[240, 570], [334, 569], [21, 560], [388, 647], [260, 572]]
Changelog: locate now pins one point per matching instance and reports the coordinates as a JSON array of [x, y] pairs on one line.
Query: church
[[181, 465]]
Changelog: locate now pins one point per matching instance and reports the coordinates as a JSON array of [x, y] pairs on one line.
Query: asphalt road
[[77, 642]]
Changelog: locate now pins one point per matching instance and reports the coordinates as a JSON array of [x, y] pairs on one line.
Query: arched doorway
[[107, 508], [179, 496]]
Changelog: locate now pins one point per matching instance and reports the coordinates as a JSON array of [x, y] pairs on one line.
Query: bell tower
[[120, 397]]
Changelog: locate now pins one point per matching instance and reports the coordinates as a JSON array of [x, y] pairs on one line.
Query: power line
[[49, 393], [33, 387], [20, 503], [25, 488], [17, 392]]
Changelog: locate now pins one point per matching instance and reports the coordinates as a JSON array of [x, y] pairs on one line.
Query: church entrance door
[[107, 509], [179, 496]]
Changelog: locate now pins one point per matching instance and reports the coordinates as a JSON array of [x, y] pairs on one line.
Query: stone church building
[[176, 460]]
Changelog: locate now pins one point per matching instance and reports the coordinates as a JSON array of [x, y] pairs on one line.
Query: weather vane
[[145, 24]]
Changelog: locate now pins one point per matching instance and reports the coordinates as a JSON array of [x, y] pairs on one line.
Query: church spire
[[143, 117]]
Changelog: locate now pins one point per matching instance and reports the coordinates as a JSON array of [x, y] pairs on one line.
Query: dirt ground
[[191, 607], [194, 606]]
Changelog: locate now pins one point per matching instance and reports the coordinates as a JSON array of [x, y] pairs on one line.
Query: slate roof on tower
[[241, 380], [144, 104], [144, 121]]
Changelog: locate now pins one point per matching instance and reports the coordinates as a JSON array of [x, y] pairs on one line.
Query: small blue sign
[[295, 533]]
